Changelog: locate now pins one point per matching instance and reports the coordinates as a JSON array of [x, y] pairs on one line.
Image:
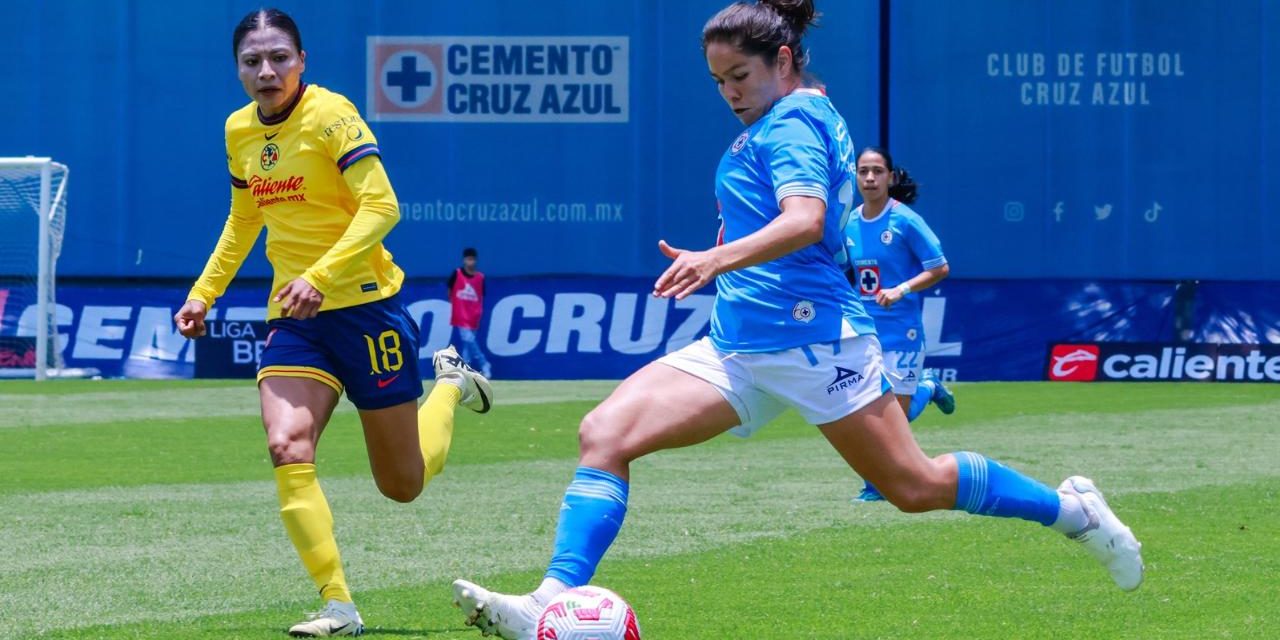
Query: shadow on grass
[[421, 633]]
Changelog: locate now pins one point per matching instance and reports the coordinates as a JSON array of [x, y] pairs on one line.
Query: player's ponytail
[[904, 187], [763, 28], [799, 13], [264, 19]]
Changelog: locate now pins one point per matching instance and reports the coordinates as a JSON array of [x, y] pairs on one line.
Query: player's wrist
[[903, 289], [719, 262], [203, 298], [312, 278]]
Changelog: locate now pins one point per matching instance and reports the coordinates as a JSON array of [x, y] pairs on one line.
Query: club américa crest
[[270, 156]]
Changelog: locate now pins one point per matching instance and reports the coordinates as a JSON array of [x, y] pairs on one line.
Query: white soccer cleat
[[336, 619], [508, 617], [477, 393], [1108, 539]]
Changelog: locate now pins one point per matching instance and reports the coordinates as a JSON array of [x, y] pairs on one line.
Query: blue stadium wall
[[1088, 154], [133, 97]]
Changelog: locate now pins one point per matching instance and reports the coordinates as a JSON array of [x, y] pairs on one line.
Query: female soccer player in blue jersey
[[894, 253], [306, 166], [787, 331]]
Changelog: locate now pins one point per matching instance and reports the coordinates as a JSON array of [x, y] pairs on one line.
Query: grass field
[[147, 510]]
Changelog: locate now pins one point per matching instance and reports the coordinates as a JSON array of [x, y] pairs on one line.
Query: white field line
[[38, 410]]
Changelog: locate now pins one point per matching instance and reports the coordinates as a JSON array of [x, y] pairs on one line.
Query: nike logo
[[382, 384], [335, 629], [459, 363], [271, 135]]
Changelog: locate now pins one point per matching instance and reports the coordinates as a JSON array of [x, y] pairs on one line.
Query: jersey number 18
[[385, 351]]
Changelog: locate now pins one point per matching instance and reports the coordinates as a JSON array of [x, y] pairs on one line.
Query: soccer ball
[[588, 613]]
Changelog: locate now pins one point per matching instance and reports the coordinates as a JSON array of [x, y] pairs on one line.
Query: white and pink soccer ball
[[588, 613]]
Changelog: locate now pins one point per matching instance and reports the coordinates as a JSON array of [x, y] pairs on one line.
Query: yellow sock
[[435, 426], [309, 522]]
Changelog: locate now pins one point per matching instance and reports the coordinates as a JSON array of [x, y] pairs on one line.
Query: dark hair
[[262, 19], [470, 253], [904, 188], [764, 27]]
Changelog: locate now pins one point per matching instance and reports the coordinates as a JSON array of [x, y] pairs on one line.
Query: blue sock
[[986, 487], [590, 517], [920, 399]]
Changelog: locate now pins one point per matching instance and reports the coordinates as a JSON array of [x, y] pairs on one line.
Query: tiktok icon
[[1152, 214]]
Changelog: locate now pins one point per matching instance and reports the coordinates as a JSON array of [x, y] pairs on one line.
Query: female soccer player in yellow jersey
[[307, 167]]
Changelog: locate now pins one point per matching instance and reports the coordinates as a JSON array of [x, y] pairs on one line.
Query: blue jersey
[[800, 148], [887, 251]]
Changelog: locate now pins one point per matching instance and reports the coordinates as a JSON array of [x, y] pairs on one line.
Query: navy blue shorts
[[371, 350]]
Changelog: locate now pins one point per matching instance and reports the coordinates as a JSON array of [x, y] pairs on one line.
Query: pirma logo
[[1073, 362], [845, 378]]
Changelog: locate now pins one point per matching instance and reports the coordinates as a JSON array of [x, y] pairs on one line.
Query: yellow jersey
[[313, 175]]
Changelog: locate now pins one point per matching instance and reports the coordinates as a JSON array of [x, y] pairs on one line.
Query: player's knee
[[286, 448], [401, 489], [598, 435]]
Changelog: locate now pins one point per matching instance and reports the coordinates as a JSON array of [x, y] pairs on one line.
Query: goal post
[[33, 210]]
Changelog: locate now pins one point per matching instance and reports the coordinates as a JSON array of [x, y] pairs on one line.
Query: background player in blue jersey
[[893, 254], [787, 331]]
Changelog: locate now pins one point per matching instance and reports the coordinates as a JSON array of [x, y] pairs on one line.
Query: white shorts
[[823, 382], [904, 369]]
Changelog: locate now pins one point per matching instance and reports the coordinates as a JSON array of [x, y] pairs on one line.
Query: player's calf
[[929, 489]]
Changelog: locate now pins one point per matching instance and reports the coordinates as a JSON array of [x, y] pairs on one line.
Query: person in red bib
[[466, 297]]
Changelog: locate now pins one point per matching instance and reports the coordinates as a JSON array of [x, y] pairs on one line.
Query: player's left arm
[[377, 213], [796, 156], [356, 153], [924, 245]]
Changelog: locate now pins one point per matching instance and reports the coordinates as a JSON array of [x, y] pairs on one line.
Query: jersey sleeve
[[354, 149], [924, 243], [378, 211], [346, 136], [241, 231], [795, 155]]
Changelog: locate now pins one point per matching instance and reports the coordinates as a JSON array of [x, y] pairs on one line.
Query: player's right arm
[[241, 231], [927, 250], [796, 157]]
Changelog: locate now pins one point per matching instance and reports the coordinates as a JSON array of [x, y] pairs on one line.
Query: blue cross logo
[[408, 78], [869, 280]]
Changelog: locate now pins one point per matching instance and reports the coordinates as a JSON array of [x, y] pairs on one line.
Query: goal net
[[33, 215]]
